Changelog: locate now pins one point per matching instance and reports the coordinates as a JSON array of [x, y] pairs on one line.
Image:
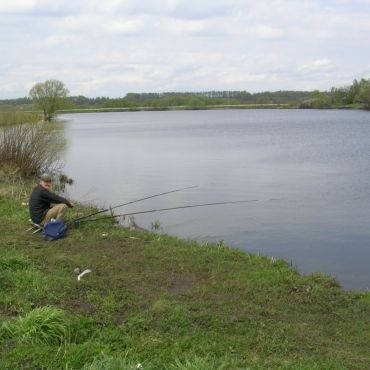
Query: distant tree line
[[170, 99], [192, 99], [356, 95], [18, 102]]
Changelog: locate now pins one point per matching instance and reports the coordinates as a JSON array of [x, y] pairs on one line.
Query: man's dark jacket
[[40, 202]]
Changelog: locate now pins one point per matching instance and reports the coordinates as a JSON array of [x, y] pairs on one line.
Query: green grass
[[44, 325], [164, 303]]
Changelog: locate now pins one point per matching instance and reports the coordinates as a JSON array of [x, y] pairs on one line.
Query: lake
[[308, 169]]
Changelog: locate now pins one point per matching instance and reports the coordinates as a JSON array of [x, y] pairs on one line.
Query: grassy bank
[[16, 117], [164, 303]]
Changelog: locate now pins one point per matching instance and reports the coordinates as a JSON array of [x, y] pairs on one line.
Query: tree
[[353, 91], [318, 100], [49, 96], [363, 94], [340, 95]]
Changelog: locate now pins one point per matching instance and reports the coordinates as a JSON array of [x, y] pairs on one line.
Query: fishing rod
[[179, 207], [134, 201]]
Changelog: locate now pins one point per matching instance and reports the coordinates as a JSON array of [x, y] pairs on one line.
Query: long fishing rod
[[134, 201], [179, 207]]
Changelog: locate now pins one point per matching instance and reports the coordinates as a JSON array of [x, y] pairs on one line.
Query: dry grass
[[16, 117]]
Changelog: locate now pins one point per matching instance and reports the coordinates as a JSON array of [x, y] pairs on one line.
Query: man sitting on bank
[[44, 204]]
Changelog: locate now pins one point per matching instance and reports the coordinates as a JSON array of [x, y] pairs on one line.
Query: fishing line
[[178, 207], [134, 201]]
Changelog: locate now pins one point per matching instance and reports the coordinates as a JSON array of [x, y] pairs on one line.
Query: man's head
[[45, 180]]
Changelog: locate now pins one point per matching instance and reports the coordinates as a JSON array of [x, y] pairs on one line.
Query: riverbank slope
[[163, 303]]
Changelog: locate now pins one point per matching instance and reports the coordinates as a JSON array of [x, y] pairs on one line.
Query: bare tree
[[49, 97]]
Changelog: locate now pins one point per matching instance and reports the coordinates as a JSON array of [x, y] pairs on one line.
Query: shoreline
[[159, 300]]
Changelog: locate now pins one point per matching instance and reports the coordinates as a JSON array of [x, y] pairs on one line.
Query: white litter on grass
[[82, 274], [24, 204], [139, 366], [104, 235]]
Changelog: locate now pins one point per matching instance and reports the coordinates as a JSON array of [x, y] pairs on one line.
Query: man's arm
[[55, 198]]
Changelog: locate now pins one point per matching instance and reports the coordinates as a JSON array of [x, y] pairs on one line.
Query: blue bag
[[54, 230]]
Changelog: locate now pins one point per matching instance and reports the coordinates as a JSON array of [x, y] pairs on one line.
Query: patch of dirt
[[184, 282]]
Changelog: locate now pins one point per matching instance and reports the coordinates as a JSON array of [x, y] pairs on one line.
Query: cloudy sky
[[111, 47]]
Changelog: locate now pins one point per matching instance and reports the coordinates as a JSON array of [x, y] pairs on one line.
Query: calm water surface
[[315, 162]]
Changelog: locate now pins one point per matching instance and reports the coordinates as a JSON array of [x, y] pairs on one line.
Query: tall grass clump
[[17, 117], [30, 148], [13, 183], [44, 325]]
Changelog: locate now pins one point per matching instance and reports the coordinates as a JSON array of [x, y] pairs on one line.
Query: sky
[[112, 47]]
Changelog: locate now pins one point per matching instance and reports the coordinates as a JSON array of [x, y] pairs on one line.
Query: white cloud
[[17, 6], [176, 26], [265, 32], [116, 46], [318, 65], [56, 40], [125, 26]]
